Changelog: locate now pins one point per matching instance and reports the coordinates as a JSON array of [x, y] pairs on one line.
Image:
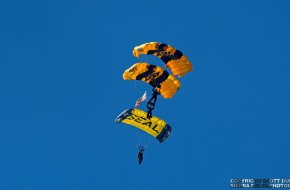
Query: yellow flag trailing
[[174, 59], [163, 82], [154, 126]]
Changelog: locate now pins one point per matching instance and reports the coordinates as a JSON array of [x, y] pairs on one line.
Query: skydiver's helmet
[[141, 148]]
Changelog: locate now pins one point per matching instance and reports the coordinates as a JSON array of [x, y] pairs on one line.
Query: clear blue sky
[[61, 87]]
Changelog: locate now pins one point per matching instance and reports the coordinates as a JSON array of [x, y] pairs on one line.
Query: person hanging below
[[151, 103], [140, 154]]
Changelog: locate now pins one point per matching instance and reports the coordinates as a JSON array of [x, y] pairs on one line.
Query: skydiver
[[140, 154]]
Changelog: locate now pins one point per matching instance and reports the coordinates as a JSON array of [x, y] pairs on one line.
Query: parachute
[[173, 58], [163, 82], [154, 126]]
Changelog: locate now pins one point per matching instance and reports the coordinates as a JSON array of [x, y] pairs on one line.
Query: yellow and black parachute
[[174, 59], [163, 82], [154, 126]]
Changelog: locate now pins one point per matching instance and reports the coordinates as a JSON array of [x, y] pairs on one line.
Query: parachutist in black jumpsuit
[[140, 154]]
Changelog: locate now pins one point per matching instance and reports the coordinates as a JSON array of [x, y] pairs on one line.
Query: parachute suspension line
[[151, 103], [145, 142], [148, 141], [139, 138]]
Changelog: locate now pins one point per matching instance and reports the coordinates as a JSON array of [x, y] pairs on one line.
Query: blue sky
[[61, 87]]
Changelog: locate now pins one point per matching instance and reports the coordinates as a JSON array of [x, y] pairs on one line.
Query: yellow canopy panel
[[173, 58], [156, 76], [154, 126]]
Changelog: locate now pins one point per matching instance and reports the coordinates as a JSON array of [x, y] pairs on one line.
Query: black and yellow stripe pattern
[[156, 76], [173, 58]]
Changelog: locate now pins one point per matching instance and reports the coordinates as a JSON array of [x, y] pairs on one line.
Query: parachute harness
[[151, 103]]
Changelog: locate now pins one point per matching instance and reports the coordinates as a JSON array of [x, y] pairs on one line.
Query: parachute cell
[[156, 76], [154, 126], [173, 58]]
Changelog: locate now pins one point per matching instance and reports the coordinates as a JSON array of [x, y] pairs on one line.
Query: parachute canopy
[[173, 58], [154, 126], [167, 85]]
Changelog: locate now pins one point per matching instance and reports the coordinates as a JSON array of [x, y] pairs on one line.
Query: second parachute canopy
[[163, 82]]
